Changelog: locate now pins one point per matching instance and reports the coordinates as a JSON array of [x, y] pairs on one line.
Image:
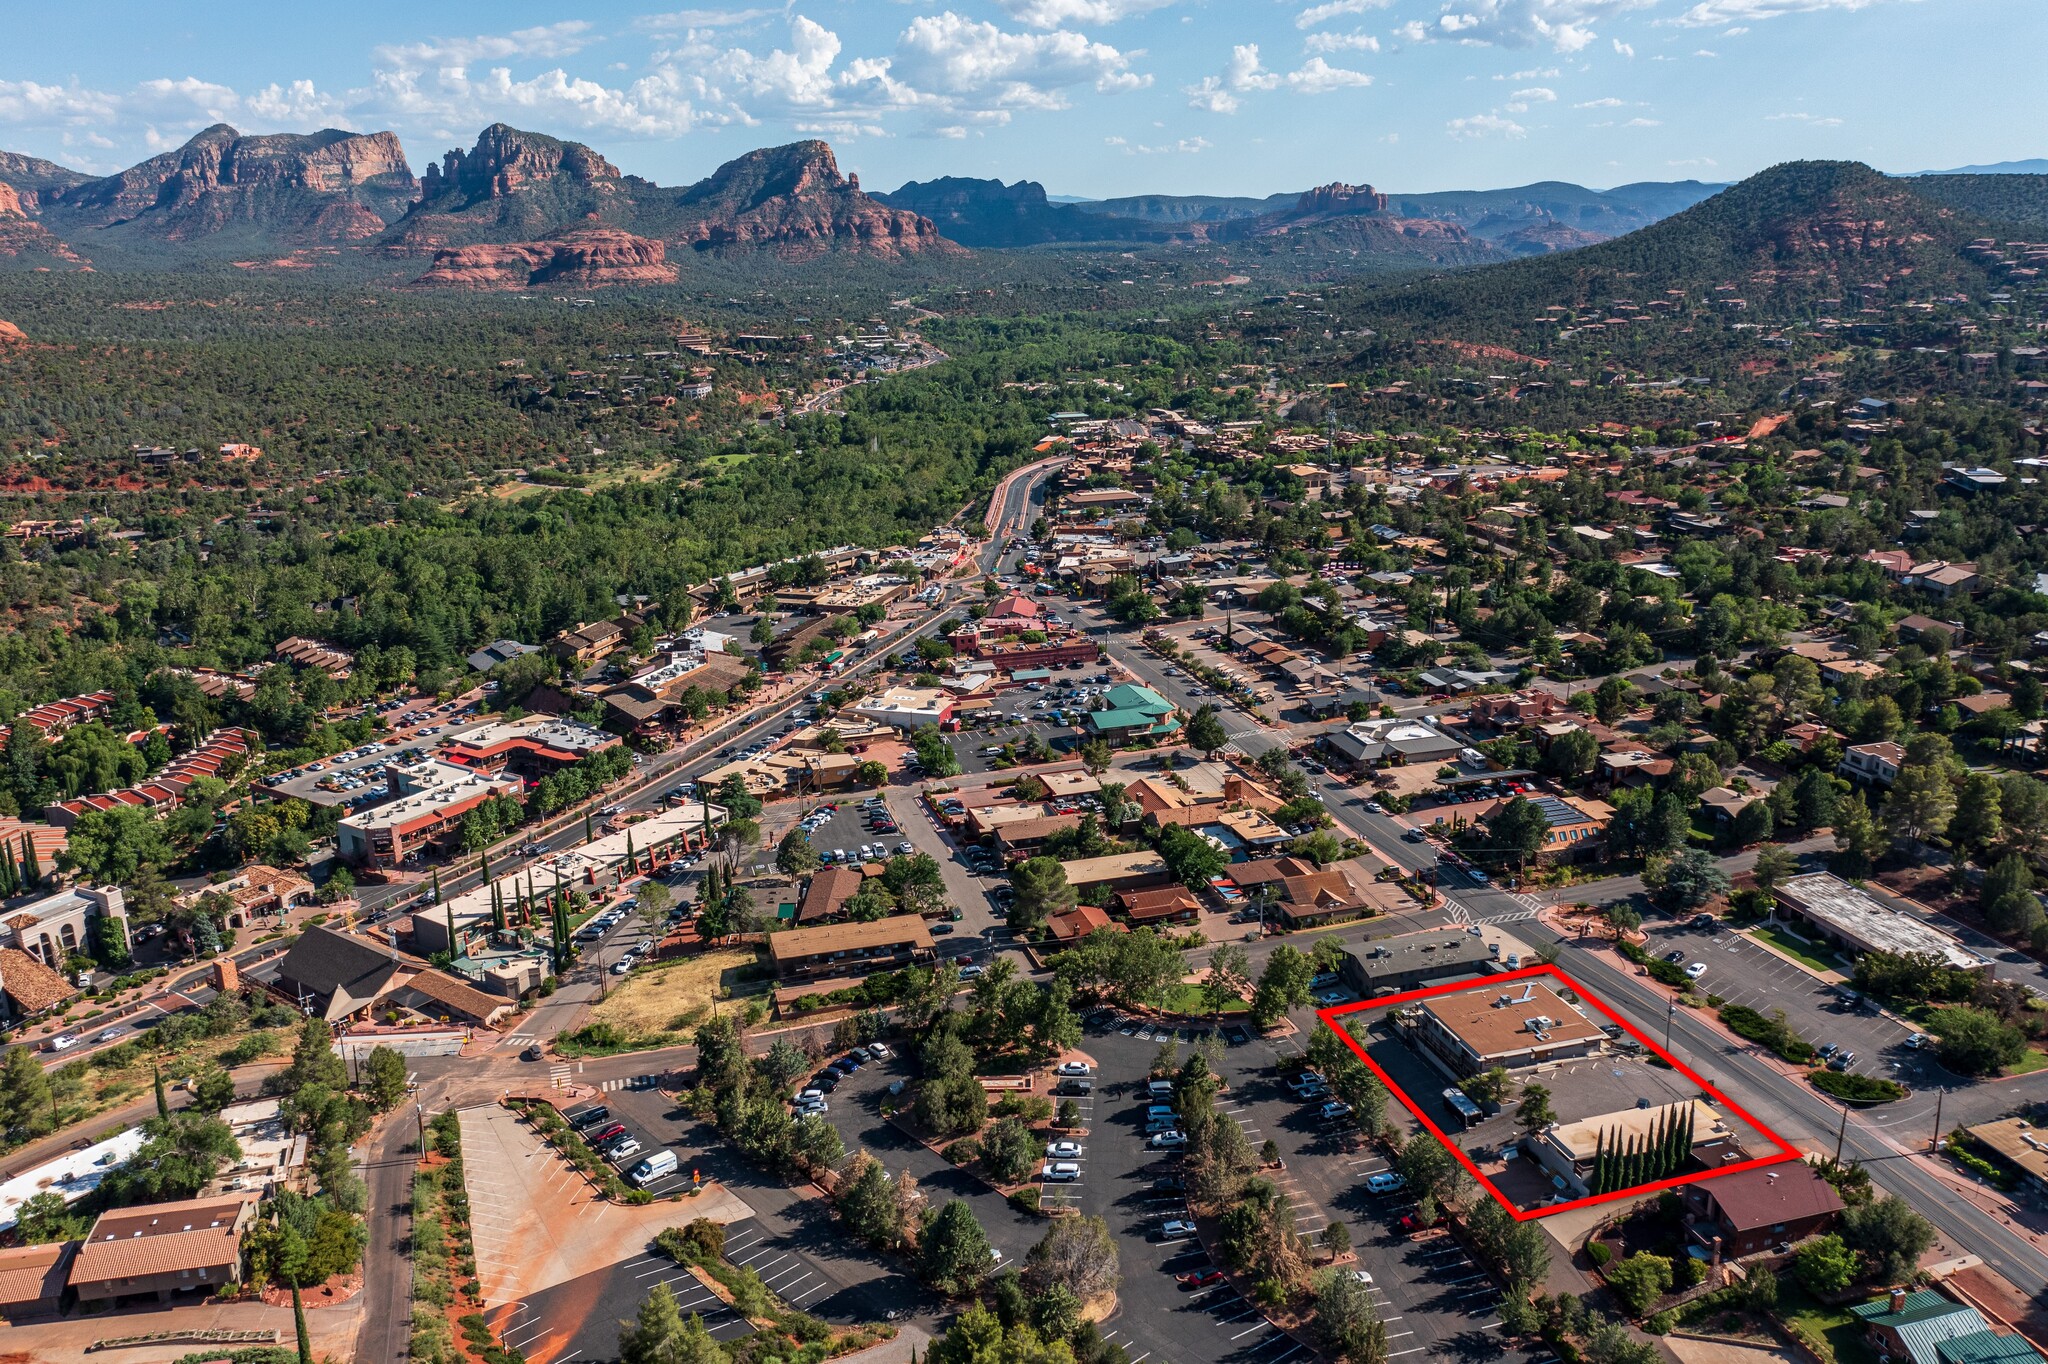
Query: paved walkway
[[538, 1223]]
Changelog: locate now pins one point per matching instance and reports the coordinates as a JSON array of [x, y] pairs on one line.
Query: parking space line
[[1262, 1326]]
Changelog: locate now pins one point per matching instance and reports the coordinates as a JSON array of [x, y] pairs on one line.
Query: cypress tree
[[31, 866], [1660, 1142], [163, 1098], [454, 947], [588, 835], [299, 1325], [632, 858], [10, 878], [437, 885], [497, 908]]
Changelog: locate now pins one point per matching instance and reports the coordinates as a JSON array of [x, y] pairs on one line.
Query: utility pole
[[1939, 1095], [1670, 1012], [1841, 1131]]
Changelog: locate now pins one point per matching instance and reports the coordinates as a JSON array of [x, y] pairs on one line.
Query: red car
[[1411, 1222], [963, 960], [1201, 1278], [617, 1129]]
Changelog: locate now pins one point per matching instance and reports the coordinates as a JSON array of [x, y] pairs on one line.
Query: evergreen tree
[[31, 865], [163, 1097], [299, 1326]]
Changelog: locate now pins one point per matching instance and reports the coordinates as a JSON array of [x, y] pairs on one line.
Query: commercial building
[[908, 708], [826, 896], [1119, 871], [1519, 1024], [1756, 1210], [1414, 961], [2017, 1144], [850, 949], [70, 1176], [1390, 742], [28, 988], [1297, 893], [335, 975], [1131, 712], [164, 1249], [1826, 905], [1567, 1150], [431, 799], [532, 747], [163, 791], [53, 927]]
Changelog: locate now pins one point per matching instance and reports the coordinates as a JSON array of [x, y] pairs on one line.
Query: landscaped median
[[781, 1332], [445, 1293]]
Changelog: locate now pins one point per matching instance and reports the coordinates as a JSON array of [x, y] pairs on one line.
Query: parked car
[[623, 1149], [1175, 1227], [1169, 1140], [589, 1117], [608, 1135], [1201, 1278], [1413, 1222], [1385, 1182], [1696, 970], [1061, 1172], [1073, 1068], [878, 1052], [1064, 1150]]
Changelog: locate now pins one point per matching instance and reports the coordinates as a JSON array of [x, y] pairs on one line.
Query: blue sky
[[1091, 97]]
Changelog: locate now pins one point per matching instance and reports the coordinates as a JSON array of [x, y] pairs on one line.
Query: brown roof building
[[1076, 924], [164, 1248], [29, 987], [1520, 1023], [1158, 905], [850, 949], [1753, 1210], [32, 1279], [825, 898]]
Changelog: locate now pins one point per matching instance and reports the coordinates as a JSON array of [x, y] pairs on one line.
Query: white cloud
[[1644, 123], [963, 58], [1318, 77], [29, 102], [1186, 146], [297, 105], [1625, 49], [1566, 25], [1816, 120], [1484, 125], [1709, 13], [1210, 96], [1060, 13], [684, 19], [1537, 94], [1243, 71], [1605, 102], [1735, 32], [1706, 52], [547, 42], [1360, 41], [1707, 161], [1322, 14]]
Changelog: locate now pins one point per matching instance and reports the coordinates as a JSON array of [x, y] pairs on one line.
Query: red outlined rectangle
[[1785, 1150]]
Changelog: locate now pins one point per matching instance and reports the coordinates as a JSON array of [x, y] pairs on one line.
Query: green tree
[[660, 1334], [1973, 1041], [1774, 866], [795, 856], [1283, 985], [214, 1091], [1205, 732], [1190, 858], [1077, 1255], [1534, 1112], [384, 1074], [1517, 831], [109, 847], [27, 1104], [953, 1251], [1227, 978], [1890, 1235], [1348, 1320], [1639, 1280], [1824, 1265], [1920, 804], [1572, 754], [868, 1204], [1687, 879], [1042, 891], [1976, 825], [1752, 824]]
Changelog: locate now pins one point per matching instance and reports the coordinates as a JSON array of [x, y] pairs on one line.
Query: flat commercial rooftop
[[1862, 921]]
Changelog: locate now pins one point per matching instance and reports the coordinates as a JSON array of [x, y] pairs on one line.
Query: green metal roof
[[1984, 1347], [1924, 1322]]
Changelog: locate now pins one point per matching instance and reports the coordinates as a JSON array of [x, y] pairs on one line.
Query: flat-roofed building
[[536, 745], [1412, 961], [1377, 743], [1515, 1024], [1842, 913], [908, 707], [1119, 871], [1569, 1150], [431, 799], [850, 949], [190, 1246], [53, 927]]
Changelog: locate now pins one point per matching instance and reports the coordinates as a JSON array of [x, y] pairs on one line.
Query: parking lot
[[355, 777], [843, 830], [1742, 970], [1433, 1299]]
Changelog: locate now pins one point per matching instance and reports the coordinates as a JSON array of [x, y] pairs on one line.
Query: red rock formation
[[794, 200], [1339, 197], [11, 335], [10, 202], [588, 258]]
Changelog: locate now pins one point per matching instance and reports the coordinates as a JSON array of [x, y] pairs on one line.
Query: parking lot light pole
[[1939, 1095], [1670, 1012]]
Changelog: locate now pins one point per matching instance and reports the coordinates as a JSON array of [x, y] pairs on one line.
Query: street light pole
[[1841, 1131], [1939, 1095], [1670, 1012]]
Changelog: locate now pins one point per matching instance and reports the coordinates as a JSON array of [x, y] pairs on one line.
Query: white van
[[657, 1166], [1160, 1089]]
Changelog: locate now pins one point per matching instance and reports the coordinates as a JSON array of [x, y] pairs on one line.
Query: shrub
[[964, 1151], [1025, 1199], [1662, 1323], [1600, 1253], [1866, 1089]]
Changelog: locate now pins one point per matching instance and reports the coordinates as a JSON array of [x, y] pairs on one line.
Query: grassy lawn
[[1842, 1331], [1187, 999], [670, 996], [1798, 949], [2034, 1060]]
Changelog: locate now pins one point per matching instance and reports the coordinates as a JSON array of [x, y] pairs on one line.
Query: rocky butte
[[584, 258]]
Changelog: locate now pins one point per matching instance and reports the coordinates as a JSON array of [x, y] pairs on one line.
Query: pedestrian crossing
[[628, 1082]]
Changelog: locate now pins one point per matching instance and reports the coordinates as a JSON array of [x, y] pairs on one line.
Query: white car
[[1361, 1276], [1073, 1068], [1696, 970], [1064, 1150], [1168, 1141], [1176, 1227], [1385, 1182], [63, 1041], [1063, 1172], [878, 1052]]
